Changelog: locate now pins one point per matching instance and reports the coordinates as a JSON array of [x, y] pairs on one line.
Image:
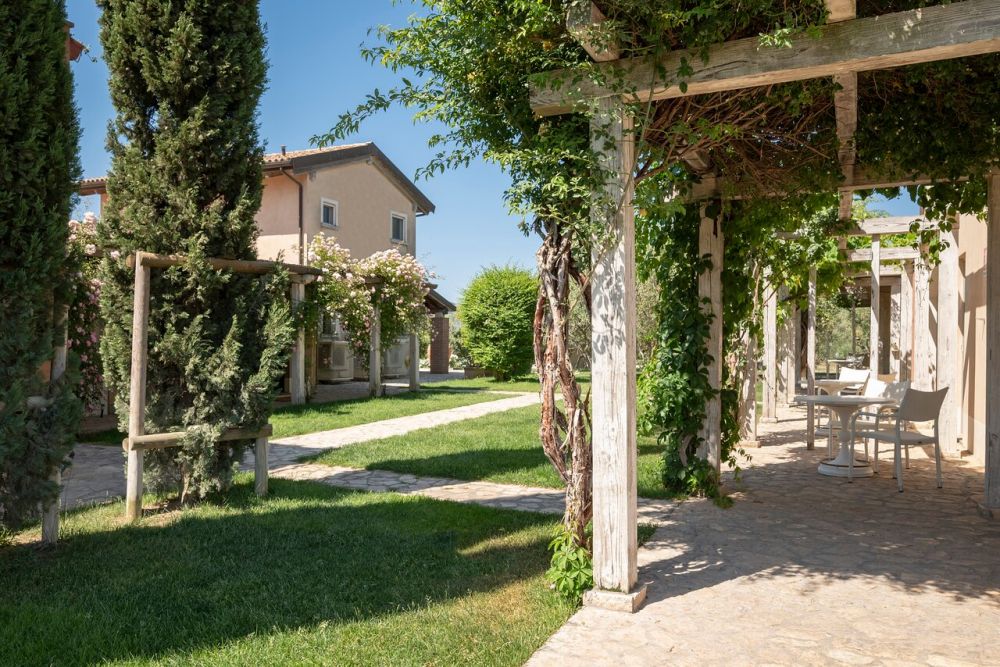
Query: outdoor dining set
[[864, 407]]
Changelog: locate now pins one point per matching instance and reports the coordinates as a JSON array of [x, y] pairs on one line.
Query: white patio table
[[834, 387], [845, 407]]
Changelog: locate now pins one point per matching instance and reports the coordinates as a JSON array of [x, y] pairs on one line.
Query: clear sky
[[316, 73]]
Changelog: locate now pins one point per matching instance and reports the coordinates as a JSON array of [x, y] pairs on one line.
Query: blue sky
[[316, 73]]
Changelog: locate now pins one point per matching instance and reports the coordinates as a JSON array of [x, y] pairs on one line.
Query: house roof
[[436, 303], [318, 158]]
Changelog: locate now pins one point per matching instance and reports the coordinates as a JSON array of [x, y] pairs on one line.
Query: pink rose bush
[[84, 321], [350, 289]]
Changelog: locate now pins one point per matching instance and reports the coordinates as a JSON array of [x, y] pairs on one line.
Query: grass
[[502, 447], [524, 383], [292, 420], [310, 575]]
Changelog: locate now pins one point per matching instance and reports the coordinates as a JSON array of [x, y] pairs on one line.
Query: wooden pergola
[[843, 48]]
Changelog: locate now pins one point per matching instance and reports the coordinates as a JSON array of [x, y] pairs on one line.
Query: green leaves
[[497, 313], [571, 570]]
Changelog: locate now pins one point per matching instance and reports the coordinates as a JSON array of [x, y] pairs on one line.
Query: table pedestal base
[[837, 468]]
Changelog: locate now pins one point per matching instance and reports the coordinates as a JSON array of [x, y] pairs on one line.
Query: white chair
[[916, 406], [867, 382], [871, 420]]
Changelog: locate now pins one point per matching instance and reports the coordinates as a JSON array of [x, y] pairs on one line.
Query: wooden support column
[[613, 343], [748, 394], [137, 391], [811, 361], [786, 347], [414, 362], [770, 407], [793, 332], [906, 322], [298, 362], [260, 466], [895, 326], [873, 338], [375, 352], [990, 505], [711, 244], [50, 518], [948, 363], [923, 359]]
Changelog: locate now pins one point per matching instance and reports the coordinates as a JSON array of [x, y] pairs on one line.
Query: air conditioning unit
[[394, 358], [336, 361]]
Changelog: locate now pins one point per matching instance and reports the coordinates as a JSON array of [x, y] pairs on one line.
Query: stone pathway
[[98, 473], [809, 570], [490, 494]]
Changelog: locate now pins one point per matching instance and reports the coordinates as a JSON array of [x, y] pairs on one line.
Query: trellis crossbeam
[[923, 35]]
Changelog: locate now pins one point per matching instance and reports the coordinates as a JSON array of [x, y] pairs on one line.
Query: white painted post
[[770, 407], [414, 362], [947, 343], [906, 322], [50, 519], [990, 506], [375, 352], [298, 363], [922, 343], [748, 394], [895, 326], [137, 391], [711, 243], [873, 338], [793, 332], [260, 466], [811, 361], [613, 367]]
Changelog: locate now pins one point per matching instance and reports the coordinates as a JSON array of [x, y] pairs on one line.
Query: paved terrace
[[805, 569]]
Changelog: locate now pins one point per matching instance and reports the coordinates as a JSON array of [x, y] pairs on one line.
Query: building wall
[[278, 219], [972, 261], [365, 198]]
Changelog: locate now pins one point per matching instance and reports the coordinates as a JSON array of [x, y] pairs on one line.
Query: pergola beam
[[886, 254], [583, 21], [711, 187], [903, 38], [902, 224]]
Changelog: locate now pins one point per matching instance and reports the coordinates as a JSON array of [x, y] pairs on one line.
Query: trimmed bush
[[38, 174], [497, 313]]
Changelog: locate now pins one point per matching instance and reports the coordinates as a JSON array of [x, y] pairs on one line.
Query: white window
[[399, 227], [328, 213]]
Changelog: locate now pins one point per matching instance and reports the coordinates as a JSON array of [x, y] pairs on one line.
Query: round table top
[[834, 401], [838, 385]]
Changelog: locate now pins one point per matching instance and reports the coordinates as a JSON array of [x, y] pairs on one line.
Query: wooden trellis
[[138, 441]]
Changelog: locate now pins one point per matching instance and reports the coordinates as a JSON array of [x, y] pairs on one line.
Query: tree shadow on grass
[[307, 555]]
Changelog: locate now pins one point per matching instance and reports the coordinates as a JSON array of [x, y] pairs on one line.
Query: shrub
[[497, 313], [38, 173]]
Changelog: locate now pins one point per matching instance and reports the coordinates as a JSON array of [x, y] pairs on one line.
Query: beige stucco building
[[353, 193]]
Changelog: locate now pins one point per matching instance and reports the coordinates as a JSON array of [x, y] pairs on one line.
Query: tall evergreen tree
[[186, 79], [38, 173]]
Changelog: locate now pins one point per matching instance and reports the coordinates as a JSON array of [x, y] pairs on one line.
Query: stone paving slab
[[490, 494], [809, 570]]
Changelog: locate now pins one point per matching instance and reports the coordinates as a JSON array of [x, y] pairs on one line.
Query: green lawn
[[502, 447], [525, 383], [291, 420], [311, 575]]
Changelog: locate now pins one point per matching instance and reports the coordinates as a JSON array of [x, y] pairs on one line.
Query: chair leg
[[875, 458], [867, 458], [898, 462], [937, 461], [907, 451], [850, 463]]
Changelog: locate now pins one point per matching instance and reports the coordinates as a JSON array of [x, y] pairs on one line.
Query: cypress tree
[[186, 77], [38, 172]]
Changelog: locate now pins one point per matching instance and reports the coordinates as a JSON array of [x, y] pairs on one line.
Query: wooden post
[[414, 362], [748, 394], [786, 345], [770, 407], [873, 337], [613, 322], [906, 322], [711, 243], [375, 352], [792, 359], [922, 344], [137, 391], [50, 518], [990, 506], [811, 361], [260, 466], [895, 321], [298, 365], [948, 364]]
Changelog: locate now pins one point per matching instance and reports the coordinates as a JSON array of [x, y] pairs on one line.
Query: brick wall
[[440, 352]]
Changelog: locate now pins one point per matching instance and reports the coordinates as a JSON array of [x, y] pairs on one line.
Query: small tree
[[497, 312], [38, 171], [186, 79]]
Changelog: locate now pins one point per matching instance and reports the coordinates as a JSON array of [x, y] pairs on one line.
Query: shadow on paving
[[789, 522], [305, 556]]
